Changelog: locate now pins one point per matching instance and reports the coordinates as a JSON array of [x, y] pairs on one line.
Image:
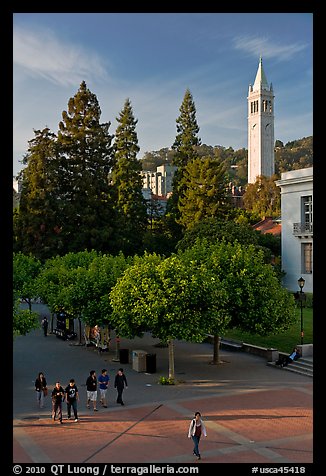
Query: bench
[[231, 344]]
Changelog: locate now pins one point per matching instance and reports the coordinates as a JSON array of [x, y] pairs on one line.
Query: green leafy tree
[[54, 281], [24, 320], [171, 298], [204, 193], [263, 197], [26, 269], [79, 284], [256, 301], [213, 230], [130, 205], [216, 229]]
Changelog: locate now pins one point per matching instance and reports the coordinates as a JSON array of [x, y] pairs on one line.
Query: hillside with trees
[[293, 155]]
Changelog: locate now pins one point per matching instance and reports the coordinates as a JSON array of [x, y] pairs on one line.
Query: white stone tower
[[260, 127]]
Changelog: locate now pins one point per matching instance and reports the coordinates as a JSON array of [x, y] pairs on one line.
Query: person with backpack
[[196, 429]]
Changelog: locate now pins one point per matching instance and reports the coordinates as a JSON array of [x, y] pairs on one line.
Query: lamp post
[[301, 282]]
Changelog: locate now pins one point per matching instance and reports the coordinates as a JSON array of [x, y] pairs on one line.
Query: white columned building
[[260, 127]]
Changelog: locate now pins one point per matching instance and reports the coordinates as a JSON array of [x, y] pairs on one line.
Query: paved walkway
[[254, 413]]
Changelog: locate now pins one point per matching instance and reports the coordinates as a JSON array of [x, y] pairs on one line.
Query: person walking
[[41, 389], [71, 392], [45, 325], [196, 429], [58, 396], [103, 380], [120, 382], [91, 388]]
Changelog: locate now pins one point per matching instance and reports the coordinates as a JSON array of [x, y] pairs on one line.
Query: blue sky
[[152, 58]]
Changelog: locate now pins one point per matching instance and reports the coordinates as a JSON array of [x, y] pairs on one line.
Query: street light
[[301, 282]]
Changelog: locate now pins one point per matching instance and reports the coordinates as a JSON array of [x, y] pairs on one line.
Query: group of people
[[71, 396]]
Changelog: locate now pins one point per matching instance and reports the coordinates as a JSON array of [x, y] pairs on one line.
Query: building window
[[254, 107], [307, 212], [306, 249]]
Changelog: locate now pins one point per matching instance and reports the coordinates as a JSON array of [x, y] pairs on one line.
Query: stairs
[[302, 366]]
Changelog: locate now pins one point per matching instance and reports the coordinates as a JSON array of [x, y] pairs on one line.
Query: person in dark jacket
[[120, 382], [72, 397], [58, 396], [91, 389], [45, 325], [41, 389]]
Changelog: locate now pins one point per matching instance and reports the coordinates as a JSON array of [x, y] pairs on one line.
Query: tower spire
[[260, 81], [260, 127]]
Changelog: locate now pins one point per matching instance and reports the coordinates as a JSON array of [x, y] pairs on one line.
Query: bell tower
[[260, 127]]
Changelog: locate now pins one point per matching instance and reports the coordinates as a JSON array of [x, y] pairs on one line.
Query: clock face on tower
[[253, 131]]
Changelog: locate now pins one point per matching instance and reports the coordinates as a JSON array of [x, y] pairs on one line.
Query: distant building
[[260, 127], [16, 186], [159, 182], [236, 195], [297, 227]]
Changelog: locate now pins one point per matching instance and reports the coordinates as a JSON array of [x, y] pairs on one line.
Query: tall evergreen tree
[[37, 223], [187, 133], [184, 146], [65, 202], [85, 163], [126, 181]]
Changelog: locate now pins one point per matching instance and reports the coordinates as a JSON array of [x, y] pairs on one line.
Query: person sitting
[[288, 359]]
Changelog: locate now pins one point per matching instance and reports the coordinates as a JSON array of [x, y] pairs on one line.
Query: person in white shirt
[[196, 429]]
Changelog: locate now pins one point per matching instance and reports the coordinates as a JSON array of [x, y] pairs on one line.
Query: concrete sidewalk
[[254, 413]]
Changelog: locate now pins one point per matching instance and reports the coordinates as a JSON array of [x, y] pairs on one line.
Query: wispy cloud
[[41, 55], [264, 46]]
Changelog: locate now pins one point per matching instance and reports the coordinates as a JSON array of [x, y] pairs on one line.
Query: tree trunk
[[117, 348], [216, 351], [80, 336], [171, 359]]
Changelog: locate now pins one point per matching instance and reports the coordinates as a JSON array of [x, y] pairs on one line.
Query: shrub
[[166, 381]]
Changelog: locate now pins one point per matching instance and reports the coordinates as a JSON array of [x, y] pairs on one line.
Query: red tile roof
[[268, 225]]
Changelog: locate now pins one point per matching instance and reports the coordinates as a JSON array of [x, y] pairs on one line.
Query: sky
[[152, 59]]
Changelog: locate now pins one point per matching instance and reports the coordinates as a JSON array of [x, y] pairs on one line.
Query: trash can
[[151, 363], [272, 355], [124, 356], [139, 360]]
